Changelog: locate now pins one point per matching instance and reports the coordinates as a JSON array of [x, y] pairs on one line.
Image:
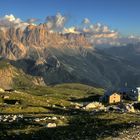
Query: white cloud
[[98, 34], [10, 18], [71, 30], [12, 21], [56, 23], [95, 33], [86, 21]]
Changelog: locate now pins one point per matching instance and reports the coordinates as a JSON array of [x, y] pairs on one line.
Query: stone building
[[111, 97]]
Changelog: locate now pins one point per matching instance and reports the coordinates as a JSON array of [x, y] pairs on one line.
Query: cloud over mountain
[[95, 33], [72, 30], [56, 23], [32, 20], [86, 21], [12, 21]]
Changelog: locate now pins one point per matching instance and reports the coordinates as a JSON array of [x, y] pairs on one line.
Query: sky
[[122, 15]]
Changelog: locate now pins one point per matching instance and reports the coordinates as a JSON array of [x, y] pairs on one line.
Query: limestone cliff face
[[10, 45], [60, 58], [33, 41]]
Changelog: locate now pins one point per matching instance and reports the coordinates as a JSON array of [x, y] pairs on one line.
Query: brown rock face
[[11, 77], [6, 76], [40, 52], [17, 43], [77, 40], [38, 81]]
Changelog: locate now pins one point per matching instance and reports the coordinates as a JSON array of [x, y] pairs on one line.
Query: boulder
[[130, 108], [37, 120], [14, 117], [2, 90], [77, 105], [6, 97], [94, 105], [54, 118], [51, 125], [127, 107], [114, 108], [63, 117]]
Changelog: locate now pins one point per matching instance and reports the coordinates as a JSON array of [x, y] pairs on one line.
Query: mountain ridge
[[64, 58], [17, 43]]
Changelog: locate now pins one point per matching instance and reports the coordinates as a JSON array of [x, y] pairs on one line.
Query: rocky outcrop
[[95, 105], [51, 125], [127, 107], [16, 43], [11, 77], [38, 81], [6, 76]]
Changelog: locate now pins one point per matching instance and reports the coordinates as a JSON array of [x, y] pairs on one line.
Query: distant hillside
[[11, 77], [67, 58], [96, 68], [129, 52]]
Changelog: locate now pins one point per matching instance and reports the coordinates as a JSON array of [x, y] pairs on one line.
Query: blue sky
[[123, 15]]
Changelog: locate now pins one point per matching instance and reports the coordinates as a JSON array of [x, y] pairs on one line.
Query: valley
[[61, 80], [67, 58]]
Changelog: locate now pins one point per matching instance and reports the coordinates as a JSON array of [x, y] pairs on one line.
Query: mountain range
[[68, 57]]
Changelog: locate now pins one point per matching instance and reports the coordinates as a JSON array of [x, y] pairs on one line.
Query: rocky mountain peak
[[17, 43]]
